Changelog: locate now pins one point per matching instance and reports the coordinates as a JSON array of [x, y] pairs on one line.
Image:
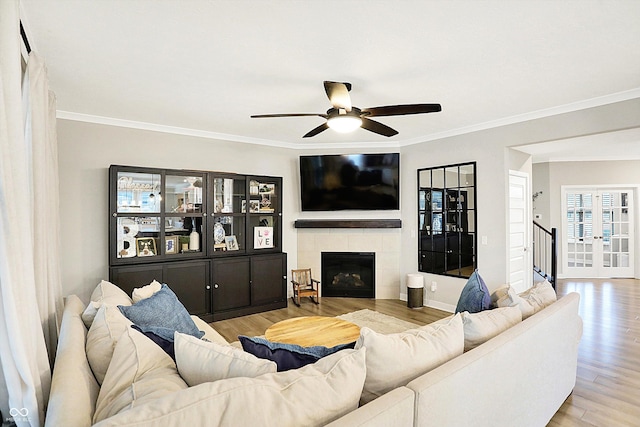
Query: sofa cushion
[[147, 291], [139, 372], [287, 356], [540, 295], [201, 361], [395, 359], [106, 329], [530, 301], [162, 314], [310, 396], [497, 294], [481, 327], [104, 293], [512, 299], [475, 296]]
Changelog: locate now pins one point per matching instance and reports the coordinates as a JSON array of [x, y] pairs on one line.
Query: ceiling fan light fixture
[[344, 123]]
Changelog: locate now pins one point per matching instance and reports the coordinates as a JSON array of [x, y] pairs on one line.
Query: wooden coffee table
[[310, 331]]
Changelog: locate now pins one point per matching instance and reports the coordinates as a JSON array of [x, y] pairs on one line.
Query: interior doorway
[[598, 231], [520, 227]]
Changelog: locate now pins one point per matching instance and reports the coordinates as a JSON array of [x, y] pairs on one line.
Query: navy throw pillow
[[287, 356], [475, 296], [166, 345], [162, 314]]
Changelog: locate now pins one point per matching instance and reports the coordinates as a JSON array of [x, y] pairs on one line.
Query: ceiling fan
[[343, 117]]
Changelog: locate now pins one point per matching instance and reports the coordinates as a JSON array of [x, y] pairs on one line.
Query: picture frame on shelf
[[253, 187], [266, 188], [265, 202], [254, 206], [262, 237], [231, 242], [243, 209], [146, 246], [171, 245]]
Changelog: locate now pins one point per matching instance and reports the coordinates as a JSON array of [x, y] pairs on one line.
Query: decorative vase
[[194, 240]]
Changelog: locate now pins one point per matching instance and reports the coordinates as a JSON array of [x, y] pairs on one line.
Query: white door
[[598, 231], [520, 257]]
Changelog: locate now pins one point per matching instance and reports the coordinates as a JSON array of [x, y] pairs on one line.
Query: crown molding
[[131, 124], [533, 115], [520, 118]]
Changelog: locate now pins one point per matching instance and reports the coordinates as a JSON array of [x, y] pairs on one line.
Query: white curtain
[[30, 295]]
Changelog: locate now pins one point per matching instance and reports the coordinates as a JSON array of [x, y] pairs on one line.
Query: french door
[[598, 231]]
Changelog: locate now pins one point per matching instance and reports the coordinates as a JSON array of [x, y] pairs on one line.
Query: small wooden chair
[[304, 286]]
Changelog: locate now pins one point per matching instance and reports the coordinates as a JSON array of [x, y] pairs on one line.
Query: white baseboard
[[441, 306], [433, 304]]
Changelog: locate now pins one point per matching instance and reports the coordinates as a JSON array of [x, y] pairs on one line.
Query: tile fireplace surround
[[384, 242]]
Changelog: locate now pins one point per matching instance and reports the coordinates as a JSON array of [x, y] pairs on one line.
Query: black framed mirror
[[447, 217]]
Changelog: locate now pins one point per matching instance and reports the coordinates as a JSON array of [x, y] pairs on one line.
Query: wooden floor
[[257, 324], [607, 391]]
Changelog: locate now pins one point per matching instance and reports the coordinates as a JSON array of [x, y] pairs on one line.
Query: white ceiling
[[203, 67]]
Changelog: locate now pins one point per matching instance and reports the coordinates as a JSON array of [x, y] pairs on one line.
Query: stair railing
[[545, 253]]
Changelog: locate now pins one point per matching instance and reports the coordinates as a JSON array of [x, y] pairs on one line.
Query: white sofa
[[520, 377]]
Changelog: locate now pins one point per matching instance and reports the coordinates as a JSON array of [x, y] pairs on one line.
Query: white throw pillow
[[394, 360], [201, 361], [540, 295], [512, 299], [107, 327], [144, 292], [482, 326], [139, 372], [497, 294], [90, 312], [104, 293], [313, 395]]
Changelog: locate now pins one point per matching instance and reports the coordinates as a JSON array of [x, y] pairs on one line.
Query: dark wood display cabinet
[[190, 229]]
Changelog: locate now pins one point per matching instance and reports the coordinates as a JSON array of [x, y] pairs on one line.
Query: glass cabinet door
[[138, 192], [264, 213], [229, 214], [184, 213], [136, 214]]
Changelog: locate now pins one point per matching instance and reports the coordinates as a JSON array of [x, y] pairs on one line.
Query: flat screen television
[[350, 181]]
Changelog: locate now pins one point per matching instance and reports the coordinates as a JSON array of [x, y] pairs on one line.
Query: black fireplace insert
[[348, 274]]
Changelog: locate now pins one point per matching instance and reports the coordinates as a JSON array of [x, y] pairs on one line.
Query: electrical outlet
[[434, 286]]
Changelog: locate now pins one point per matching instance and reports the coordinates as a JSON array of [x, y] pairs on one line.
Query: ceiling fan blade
[[338, 94], [315, 131], [401, 110], [260, 116], [377, 127]]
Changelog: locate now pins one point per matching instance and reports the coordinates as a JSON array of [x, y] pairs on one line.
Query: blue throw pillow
[[161, 314], [287, 356], [475, 296]]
